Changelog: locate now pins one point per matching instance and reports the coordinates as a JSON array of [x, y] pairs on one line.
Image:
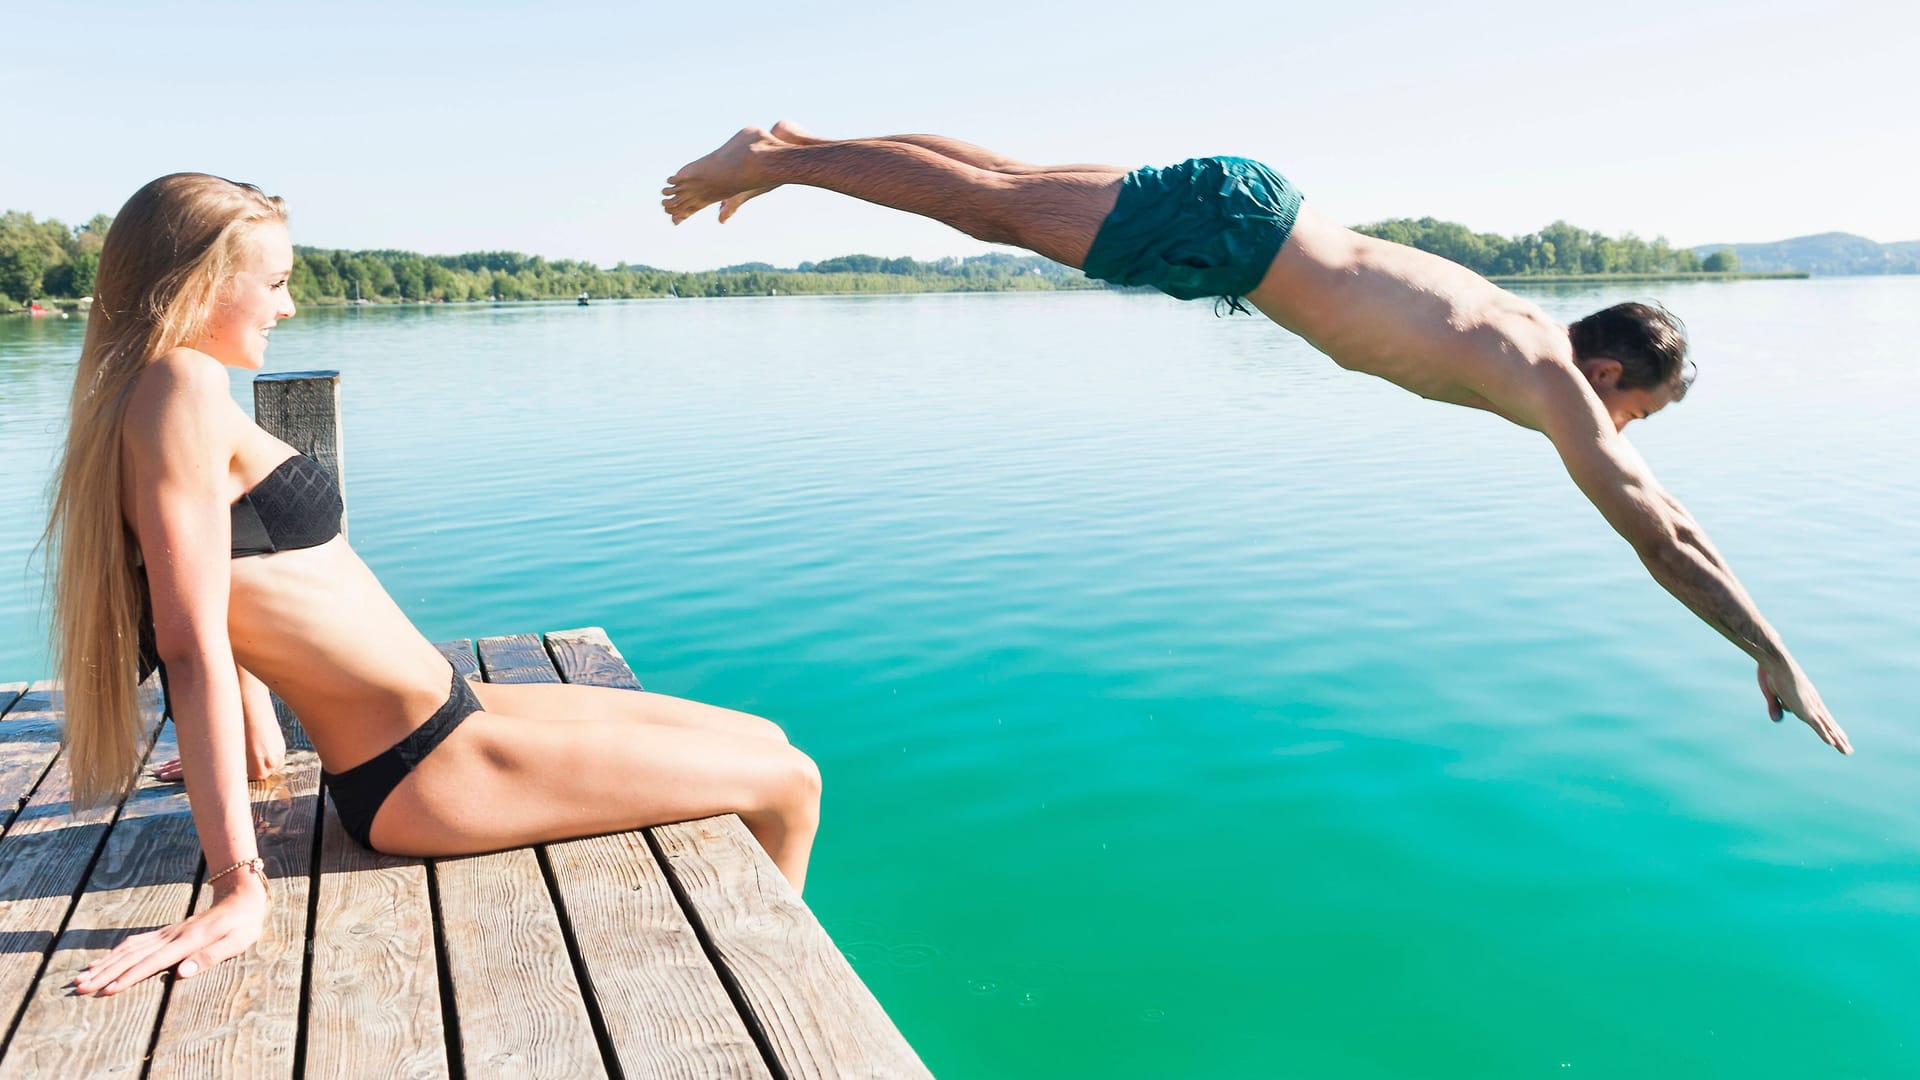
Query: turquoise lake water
[[1187, 705]]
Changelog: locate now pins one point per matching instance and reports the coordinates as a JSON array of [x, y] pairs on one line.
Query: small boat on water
[[581, 299]]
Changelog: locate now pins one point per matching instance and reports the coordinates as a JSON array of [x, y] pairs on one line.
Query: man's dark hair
[[1649, 342]]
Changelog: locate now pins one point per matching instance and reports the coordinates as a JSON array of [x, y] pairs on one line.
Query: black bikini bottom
[[358, 792]]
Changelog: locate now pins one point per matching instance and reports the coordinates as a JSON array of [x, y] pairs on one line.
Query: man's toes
[[789, 131]]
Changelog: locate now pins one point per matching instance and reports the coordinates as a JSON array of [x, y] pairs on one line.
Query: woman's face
[[253, 301]]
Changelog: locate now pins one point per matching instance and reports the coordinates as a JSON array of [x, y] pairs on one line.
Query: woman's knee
[[793, 786], [764, 728]]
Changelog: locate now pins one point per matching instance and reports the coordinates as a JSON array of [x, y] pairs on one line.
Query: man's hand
[[1788, 690], [224, 930]]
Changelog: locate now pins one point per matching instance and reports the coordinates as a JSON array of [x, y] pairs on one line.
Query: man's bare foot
[[786, 132], [725, 176], [782, 132]]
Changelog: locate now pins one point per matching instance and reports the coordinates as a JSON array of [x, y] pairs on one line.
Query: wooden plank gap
[[142, 879], [735, 992], [609, 1054], [241, 1017], [370, 1010], [303, 1033], [670, 1012], [819, 1017], [449, 1006], [46, 859]]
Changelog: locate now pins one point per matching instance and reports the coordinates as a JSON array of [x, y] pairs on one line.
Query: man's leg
[[977, 156], [964, 152], [1056, 214]]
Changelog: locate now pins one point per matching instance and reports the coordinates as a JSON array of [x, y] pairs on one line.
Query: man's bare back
[[1232, 226]]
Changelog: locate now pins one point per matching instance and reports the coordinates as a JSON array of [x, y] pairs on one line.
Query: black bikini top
[[297, 505]]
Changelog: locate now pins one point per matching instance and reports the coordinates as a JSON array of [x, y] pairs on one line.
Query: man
[[1233, 228]]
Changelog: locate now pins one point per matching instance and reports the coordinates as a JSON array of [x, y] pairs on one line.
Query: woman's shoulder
[[181, 388]]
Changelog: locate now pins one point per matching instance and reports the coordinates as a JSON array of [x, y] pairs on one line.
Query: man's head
[[1635, 356]]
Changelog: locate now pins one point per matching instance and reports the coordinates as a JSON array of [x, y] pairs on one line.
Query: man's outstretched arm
[[1677, 552]]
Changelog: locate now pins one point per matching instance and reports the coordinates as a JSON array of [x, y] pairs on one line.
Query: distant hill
[[1826, 253]]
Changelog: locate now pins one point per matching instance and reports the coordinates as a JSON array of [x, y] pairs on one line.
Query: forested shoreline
[[1559, 250], [48, 261]]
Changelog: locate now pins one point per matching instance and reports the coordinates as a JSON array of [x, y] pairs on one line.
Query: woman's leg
[[559, 770], [639, 706]]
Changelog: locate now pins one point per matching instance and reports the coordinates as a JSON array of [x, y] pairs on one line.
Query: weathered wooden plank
[[460, 655], [242, 1018], [44, 858], [29, 741], [302, 409], [665, 1010], [516, 658], [818, 1017], [588, 657], [664, 1007], [816, 1014], [143, 881], [374, 1002], [520, 1007]]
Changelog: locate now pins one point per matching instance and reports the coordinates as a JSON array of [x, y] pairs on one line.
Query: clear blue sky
[[443, 127]]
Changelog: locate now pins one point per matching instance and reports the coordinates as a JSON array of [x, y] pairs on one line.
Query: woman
[[167, 485]]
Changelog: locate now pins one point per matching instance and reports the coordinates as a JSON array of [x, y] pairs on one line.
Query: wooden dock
[[677, 950], [672, 951]]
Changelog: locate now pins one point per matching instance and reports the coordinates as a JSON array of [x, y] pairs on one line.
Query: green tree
[[1724, 261], [85, 266], [323, 276], [21, 270]]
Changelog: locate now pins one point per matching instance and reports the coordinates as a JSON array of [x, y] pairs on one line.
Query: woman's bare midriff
[[318, 629]]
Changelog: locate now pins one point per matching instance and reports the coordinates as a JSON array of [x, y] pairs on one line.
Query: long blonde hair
[[168, 257]]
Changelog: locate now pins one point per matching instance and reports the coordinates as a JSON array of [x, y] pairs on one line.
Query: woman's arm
[[180, 437]]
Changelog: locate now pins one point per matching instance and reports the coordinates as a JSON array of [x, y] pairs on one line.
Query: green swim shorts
[[1204, 227]]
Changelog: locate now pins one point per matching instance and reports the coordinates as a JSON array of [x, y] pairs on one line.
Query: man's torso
[[1412, 318]]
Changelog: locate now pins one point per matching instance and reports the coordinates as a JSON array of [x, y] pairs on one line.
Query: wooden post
[[302, 409]]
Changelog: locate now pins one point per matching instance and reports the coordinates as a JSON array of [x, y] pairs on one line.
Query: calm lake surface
[[1188, 706]]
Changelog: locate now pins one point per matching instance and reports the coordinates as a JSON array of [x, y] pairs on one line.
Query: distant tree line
[[46, 258], [1559, 248], [342, 276], [49, 260]]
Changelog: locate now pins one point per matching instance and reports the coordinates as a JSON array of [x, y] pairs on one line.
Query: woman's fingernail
[[187, 968]]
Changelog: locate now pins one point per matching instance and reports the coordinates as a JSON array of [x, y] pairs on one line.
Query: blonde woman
[[172, 503]]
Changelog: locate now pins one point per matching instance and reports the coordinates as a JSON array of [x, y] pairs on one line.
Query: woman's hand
[[266, 745], [266, 752], [224, 930]]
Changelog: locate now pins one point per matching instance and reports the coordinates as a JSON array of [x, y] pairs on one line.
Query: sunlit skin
[[1419, 321], [316, 628]]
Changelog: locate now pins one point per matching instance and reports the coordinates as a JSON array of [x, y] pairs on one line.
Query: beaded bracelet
[[256, 864]]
